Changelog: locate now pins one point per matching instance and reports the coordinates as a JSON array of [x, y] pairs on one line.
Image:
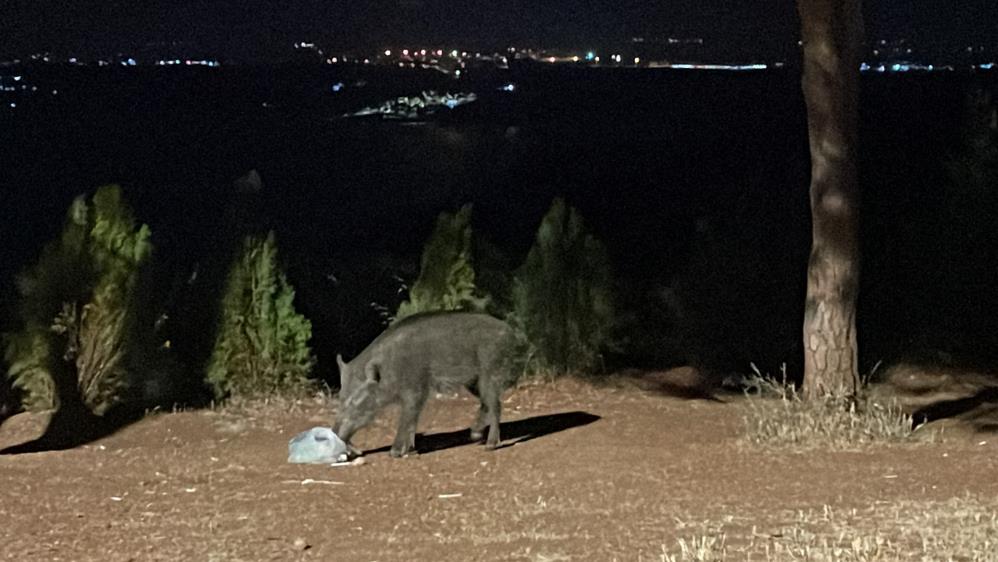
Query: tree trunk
[[832, 33]]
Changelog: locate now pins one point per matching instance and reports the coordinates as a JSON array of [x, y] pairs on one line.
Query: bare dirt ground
[[618, 472]]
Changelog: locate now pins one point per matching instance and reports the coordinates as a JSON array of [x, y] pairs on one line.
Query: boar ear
[[340, 363], [372, 372]]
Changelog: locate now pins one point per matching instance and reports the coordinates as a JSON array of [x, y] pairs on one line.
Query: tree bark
[[832, 33]]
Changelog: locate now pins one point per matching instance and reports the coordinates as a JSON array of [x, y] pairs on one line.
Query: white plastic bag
[[319, 445]]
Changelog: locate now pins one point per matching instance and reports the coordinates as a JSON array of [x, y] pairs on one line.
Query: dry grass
[[699, 547], [964, 529], [777, 415]]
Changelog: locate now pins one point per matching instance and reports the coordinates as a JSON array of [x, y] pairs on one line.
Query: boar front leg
[[405, 439]]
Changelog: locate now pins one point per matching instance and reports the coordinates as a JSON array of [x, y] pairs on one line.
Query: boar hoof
[[400, 453], [477, 434]]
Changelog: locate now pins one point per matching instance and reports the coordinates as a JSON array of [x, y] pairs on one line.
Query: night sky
[[247, 29]]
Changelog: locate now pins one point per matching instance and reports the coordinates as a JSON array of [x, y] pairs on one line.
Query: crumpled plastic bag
[[319, 445]]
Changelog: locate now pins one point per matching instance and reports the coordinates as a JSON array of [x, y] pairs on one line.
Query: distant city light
[[717, 66], [888, 57]]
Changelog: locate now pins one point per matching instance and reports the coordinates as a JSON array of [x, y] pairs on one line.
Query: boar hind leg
[[405, 439], [491, 406], [478, 428], [481, 422]]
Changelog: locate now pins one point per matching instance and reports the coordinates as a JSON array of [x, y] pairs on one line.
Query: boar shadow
[[980, 409], [512, 432]]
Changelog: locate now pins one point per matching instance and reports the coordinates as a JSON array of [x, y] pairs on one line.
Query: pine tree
[[262, 345], [105, 324], [78, 309], [832, 36], [447, 276], [562, 295]]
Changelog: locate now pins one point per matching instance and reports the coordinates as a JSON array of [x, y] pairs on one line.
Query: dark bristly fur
[[422, 354]]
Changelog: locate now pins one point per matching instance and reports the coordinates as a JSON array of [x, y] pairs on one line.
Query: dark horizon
[[257, 31]]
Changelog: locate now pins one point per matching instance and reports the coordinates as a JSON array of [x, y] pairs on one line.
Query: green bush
[[494, 268], [27, 355], [969, 195], [446, 276], [262, 346], [563, 296], [77, 308], [973, 166]]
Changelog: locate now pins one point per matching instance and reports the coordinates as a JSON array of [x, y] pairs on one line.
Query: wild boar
[[429, 353]]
